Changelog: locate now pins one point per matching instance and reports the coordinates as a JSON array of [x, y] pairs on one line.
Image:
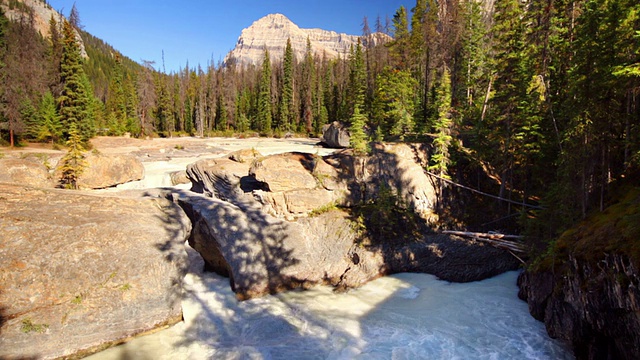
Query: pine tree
[[74, 101], [47, 126], [400, 46], [55, 57], [440, 160], [287, 109], [357, 80], [395, 102], [307, 91], [73, 162], [358, 137], [264, 97]]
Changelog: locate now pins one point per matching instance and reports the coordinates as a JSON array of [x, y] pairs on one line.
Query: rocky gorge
[[81, 262]]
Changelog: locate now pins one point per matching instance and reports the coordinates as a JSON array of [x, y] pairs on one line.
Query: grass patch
[[29, 326], [77, 300], [125, 287], [323, 209]]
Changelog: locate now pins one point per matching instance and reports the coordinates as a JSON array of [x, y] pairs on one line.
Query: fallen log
[[483, 235], [496, 240]]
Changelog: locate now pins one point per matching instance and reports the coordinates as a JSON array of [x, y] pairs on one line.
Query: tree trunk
[[486, 100]]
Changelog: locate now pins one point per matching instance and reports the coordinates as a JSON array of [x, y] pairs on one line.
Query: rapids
[[405, 316]]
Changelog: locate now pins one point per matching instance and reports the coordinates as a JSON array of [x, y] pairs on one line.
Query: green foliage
[[287, 110], [440, 159], [323, 209], [47, 125], [615, 230], [264, 99], [386, 220], [75, 101], [125, 287], [395, 95], [77, 300], [358, 140], [73, 162], [29, 326]]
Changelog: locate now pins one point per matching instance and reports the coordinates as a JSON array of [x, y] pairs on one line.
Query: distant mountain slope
[[272, 32], [100, 59], [42, 13]]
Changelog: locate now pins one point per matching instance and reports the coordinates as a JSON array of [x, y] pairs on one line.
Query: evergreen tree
[[358, 137], [47, 126], [307, 91], [264, 98], [400, 46], [75, 98], [440, 160], [116, 101], [357, 80], [164, 114], [55, 57], [395, 99], [73, 162], [287, 109]]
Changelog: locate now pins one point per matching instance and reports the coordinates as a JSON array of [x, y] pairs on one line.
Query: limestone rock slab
[[81, 271]]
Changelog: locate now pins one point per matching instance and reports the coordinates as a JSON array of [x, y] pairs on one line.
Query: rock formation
[[25, 172], [335, 135], [79, 272], [272, 31], [295, 184], [586, 286], [241, 228], [261, 254], [103, 171], [594, 308]]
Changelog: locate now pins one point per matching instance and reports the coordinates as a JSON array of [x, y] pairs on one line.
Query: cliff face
[[586, 289], [596, 309], [272, 31]]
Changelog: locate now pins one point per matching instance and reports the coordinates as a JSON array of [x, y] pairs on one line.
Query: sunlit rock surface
[[79, 271], [272, 31]]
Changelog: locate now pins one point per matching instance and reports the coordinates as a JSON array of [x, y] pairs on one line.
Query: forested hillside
[[543, 95]]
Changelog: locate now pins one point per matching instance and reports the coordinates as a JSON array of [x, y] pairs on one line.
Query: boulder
[[79, 272], [25, 172], [398, 167], [103, 171], [335, 135], [261, 254], [179, 177], [285, 172], [245, 156]]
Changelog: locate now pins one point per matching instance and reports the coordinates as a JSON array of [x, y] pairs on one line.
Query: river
[[405, 316]]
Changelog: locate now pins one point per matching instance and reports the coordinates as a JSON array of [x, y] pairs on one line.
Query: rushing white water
[[406, 316]]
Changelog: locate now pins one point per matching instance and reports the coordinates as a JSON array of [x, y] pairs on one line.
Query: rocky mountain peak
[[273, 30]]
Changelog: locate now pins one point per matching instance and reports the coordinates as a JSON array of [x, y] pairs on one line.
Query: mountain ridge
[[273, 30]]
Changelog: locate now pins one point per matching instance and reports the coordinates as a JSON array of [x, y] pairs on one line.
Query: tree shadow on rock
[[254, 250], [389, 195]]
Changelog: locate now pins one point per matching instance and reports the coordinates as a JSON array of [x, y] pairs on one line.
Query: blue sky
[[202, 31]]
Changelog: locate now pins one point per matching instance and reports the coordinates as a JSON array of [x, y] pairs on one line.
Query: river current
[[405, 316]]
